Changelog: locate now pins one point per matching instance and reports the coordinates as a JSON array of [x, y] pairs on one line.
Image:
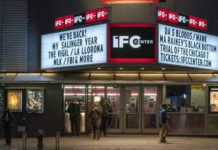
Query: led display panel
[[177, 46], [78, 47]]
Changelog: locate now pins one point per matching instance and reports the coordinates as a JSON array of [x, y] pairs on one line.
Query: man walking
[[164, 125], [8, 120], [74, 111]]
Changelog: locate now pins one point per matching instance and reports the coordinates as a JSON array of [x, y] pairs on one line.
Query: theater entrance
[[139, 109], [133, 109]]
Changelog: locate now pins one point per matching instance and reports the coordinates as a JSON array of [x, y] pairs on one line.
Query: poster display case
[[213, 99], [14, 100], [35, 101]]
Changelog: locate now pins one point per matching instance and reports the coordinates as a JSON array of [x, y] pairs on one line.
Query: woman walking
[[95, 115]]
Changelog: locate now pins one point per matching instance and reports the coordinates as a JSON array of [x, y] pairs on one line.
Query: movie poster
[[35, 101], [213, 99], [14, 100]]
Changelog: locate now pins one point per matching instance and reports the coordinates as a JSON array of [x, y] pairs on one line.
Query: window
[[185, 98]]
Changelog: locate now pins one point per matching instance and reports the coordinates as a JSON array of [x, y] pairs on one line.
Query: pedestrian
[[104, 117], [164, 125], [95, 116], [74, 111], [7, 120]]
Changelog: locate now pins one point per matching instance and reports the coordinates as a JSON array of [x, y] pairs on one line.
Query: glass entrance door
[[139, 109], [149, 109], [131, 109], [113, 97]]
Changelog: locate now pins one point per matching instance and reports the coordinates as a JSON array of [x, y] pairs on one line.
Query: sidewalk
[[118, 142]]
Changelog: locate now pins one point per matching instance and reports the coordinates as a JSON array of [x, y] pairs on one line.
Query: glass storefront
[[135, 109], [132, 108]]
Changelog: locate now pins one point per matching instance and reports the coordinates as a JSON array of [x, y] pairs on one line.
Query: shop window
[[35, 101], [14, 100], [185, 98]]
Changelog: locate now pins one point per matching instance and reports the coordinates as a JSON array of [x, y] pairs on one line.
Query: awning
[[105, 77]]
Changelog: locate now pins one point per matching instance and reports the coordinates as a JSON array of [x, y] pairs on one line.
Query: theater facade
[[136, 66]]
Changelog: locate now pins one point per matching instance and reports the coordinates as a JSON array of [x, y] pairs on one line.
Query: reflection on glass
[[77, 92], [35, 101], [132, 107], [185, 98], [113, 96], [15, 100]]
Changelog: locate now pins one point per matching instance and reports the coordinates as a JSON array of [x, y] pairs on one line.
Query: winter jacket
[[74, 111], [96, 116], [163, 115]]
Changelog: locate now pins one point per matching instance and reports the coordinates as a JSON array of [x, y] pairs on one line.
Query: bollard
[[24, 140], [40, 139], [57, 140]]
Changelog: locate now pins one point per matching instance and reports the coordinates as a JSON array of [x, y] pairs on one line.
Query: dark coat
[[163, 115], [10, 120], [74, 111]]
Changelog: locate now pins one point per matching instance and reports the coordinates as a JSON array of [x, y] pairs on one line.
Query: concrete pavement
[[119, 142]]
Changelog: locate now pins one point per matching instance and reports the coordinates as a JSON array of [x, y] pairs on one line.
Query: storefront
[[135, 62], [134, 99]]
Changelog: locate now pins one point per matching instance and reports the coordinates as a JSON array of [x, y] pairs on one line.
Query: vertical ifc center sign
[[83, 46], [182, 47], [132, 43]]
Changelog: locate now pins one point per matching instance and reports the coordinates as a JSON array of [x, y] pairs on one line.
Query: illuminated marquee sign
[[132, 43], [84, 46], [82, 18], [182, 47], [181, 19], [128, 1]]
